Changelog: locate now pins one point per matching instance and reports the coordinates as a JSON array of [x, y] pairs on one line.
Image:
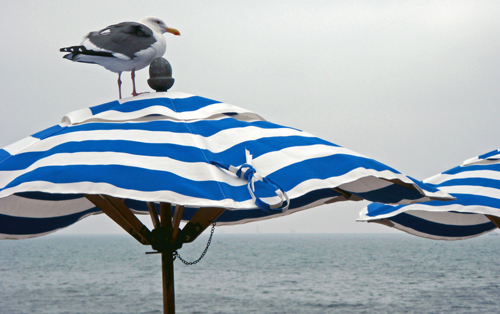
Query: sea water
[[254, 273]]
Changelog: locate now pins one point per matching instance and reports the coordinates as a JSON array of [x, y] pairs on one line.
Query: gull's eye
[[157, 22]]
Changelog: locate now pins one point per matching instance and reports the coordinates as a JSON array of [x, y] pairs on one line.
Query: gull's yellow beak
[[172, 31]]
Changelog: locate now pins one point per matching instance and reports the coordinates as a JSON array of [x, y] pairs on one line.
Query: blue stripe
[[237, 215], [49, 196], [48, 132], [375, 209], [104, 107], [234, 155], [491, 167], [311, 197], [25, 225], [178, 105], [132, 178], [322, 168], [192, 103], [462, 199], [425, 186], [140, 205], [136, 179], [438, 229], [492, 153], [472, 199], [480, 182], [140, 179], [185, 153], [266, 145], [4, 155]]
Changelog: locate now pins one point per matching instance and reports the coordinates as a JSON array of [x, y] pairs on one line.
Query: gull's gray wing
[[126, 38]]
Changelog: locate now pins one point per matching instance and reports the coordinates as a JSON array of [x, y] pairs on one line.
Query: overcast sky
[[413, 84]]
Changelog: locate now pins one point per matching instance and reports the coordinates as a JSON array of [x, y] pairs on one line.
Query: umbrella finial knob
[[160, 75]]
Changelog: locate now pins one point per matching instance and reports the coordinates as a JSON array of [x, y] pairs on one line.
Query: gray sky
[[413, 84]]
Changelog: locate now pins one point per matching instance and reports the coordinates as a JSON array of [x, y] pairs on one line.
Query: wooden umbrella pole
[[167, 264], [167, 269], [168, 237]]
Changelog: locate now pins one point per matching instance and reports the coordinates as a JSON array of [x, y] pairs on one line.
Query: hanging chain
[[176, 254]]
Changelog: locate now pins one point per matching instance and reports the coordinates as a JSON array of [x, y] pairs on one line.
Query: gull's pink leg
[[132, 75], [119, 85]]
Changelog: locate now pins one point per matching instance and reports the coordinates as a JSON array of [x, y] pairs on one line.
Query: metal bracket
[[169, 237], [200, 221]]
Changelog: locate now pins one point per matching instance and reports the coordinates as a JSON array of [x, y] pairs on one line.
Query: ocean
[[253, 273]]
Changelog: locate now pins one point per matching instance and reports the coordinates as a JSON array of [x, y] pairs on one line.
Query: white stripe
[[203, 113], [475, 209], [481, 161], [82, 116], [18, 146], [216, 143], [472, 190], [169, 196], [488, 161], [264, 165], [25, 207], [108, 189], [483, 174], [363, 215], [217, 117], [195, 171], [76, 116], [204, 171], [350, 179], [267, 163], [169, 95]]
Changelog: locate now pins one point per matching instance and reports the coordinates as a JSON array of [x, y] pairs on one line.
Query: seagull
[[127, 46]]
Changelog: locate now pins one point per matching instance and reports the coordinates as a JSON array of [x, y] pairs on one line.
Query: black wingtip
[[77, 50], [71, 49], [74, 49]]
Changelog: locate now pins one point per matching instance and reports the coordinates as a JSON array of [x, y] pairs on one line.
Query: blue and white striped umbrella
[[476, 210], [185, 150]]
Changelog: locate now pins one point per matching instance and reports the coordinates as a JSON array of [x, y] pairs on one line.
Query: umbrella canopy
[[476, 210], [188, 150]]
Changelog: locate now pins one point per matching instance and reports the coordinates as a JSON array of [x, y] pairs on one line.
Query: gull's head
[[158, 25]]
